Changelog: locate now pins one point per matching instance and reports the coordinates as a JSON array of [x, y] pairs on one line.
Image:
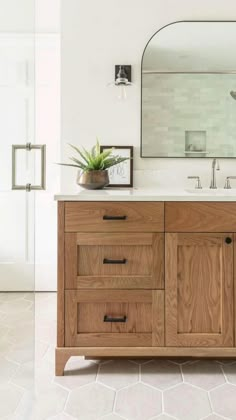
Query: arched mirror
[[188, 106]]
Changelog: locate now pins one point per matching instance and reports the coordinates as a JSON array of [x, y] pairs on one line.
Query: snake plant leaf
[[94, 160], [69, 164], [78, 162], [80, 152]]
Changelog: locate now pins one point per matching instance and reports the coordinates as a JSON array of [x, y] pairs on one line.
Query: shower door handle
[[28, 147]]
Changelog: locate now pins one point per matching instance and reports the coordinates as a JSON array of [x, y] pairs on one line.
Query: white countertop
[[141, 194]]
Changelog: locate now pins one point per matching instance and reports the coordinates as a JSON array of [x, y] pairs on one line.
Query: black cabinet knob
[[228, 240]]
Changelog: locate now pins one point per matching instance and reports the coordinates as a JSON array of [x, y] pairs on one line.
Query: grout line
[[107, 386], [114, 402], [98, 370], [66, 400], [224, 374], [209, 399], [182, 373], [162, 402]]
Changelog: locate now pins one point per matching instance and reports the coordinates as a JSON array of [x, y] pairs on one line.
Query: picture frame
[[121, 175]]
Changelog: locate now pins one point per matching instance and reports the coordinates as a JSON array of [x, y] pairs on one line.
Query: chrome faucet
[[215, 167]]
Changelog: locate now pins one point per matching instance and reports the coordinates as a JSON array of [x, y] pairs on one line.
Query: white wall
[[96, 35]]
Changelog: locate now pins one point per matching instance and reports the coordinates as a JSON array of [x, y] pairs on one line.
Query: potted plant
[[94, 166]]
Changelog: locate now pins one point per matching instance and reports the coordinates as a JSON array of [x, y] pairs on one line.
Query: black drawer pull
[[108, 318], [107, 261], [228, 240], [105, 217]]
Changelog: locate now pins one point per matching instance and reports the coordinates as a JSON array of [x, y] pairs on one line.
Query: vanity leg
[[61, 358]]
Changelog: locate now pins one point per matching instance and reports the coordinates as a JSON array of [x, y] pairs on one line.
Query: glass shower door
[[18, 167]]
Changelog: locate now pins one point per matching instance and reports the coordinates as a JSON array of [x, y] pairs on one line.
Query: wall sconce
[[122, 80]]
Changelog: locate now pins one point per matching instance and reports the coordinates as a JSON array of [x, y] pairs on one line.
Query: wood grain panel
[[116, 340], [88, 217], [60, 276], [115, 282], [85, 311], [85, 252], [91, 316], [71, 258], [199, 290], [144, 296], [138, 260], [200, 217], [120, 238], [158, 322], [199, 284]]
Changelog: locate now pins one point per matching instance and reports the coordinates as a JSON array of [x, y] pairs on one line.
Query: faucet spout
[[215, 167]]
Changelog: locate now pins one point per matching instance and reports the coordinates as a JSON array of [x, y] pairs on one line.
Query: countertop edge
[[139, 197]]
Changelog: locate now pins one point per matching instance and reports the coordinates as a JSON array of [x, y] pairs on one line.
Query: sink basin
[[209, 191]]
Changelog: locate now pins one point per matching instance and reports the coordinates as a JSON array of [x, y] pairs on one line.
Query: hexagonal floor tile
[[90, 402], [77, 373], [163, 417], [138, 402], [20, 305], [230, 372], [24, 377], [223, 400], [12, 296], [186, 402], [7, 370], [214, 417], [62, 416], [118, 373], [161, 373], [22, 352], [205, 374], [225, 361], [10, 397], [112, 417], [181, 360], [49, 402], [4, 346], [141, 361]]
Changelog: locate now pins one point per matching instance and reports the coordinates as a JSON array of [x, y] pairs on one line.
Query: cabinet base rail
[[63, 354]]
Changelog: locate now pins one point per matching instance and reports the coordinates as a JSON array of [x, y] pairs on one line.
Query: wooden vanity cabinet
[[146, 279]]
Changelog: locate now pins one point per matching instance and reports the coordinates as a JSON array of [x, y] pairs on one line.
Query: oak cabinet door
[[199, 290], [114, 318]]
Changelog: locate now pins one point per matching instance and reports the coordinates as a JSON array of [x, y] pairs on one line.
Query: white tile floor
[[90, 390]]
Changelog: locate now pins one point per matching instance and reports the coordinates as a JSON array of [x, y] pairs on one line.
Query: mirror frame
[[141, 96]]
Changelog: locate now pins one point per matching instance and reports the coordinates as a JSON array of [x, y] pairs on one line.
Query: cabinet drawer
[[114, 318], [114, 260], [200, 217], [114, 217]]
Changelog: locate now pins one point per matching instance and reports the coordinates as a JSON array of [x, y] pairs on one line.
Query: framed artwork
[[121, 175]]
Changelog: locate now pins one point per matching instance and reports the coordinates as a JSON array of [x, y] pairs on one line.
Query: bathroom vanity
[[144, 274]]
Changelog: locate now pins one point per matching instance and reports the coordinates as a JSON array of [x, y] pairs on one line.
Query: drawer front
[[114, 260], [122, 260], [114, 217], [200, 217], [114, 318]]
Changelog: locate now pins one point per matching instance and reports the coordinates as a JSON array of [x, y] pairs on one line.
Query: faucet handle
[[227, 182], [198, 181]]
